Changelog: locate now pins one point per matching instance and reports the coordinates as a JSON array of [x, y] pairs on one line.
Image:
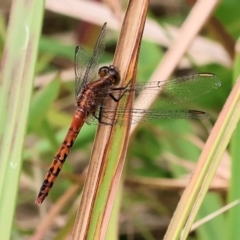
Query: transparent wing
[[139, 115], [81, 61], [174, 91], [86, 67], [91, 120]]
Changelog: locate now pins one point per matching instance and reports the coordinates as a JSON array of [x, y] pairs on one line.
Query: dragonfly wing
[[139, 115], [81, 61], [174, 91], [97, 54], [187, 88], [86, 67], [91, 120]]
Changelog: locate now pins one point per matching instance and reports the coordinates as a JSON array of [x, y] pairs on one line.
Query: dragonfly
[[92, 93]]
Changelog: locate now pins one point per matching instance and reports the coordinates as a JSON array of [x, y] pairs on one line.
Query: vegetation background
[[162, 154]]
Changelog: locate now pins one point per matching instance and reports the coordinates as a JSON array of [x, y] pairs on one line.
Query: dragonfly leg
[[117, 89], [95, 115], [99, 118]]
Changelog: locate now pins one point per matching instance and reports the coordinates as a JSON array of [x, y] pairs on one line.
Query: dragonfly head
[[110, 73]]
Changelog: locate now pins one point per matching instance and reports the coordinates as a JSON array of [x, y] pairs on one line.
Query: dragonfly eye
[[113, 73], [103, 71]]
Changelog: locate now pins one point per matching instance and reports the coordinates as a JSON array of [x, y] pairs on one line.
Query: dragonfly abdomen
[[62, 153]]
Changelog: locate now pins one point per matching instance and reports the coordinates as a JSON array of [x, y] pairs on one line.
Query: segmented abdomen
[[60, 157]]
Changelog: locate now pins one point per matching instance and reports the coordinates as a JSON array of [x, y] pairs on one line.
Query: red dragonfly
[[91, 93]]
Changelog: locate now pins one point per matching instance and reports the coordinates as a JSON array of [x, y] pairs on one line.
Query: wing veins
[[85, 66]]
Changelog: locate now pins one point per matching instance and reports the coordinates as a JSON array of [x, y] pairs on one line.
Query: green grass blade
[[17, 69], [206, 167], [234, 190]]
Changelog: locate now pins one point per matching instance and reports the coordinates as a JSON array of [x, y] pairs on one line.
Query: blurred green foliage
[[53, 106]]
